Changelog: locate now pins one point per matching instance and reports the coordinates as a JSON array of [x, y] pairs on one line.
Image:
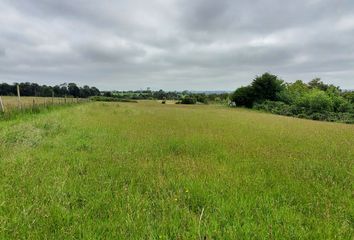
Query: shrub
[[243, 96], [188, 100], [341, 104], [316, 101], [202, 99], [277, 107], [349, 96], [293, 91]]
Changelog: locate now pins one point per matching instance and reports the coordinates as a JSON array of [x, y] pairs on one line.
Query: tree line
[[184, 97], [34, 89], [313, 100]]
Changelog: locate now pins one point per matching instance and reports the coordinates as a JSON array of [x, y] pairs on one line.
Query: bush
[[293, 91], [243, 96], [278, 107], [202, 99], [349, 96], [316, 101], [188, 100]]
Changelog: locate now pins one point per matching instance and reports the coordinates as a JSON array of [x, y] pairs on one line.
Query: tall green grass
[[153, 171], [30, 110]]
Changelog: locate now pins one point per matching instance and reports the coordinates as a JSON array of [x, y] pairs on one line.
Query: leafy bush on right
[[314, 100]]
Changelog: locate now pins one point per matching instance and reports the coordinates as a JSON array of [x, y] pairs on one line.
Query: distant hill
[[211, 92]]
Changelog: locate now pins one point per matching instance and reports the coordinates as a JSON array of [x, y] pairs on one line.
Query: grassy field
[[154, 171], [11, 103]]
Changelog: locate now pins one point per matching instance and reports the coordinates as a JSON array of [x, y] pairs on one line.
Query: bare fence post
[[65, 99], [2, 109], [34, 103], [19, 96], [52, 97]]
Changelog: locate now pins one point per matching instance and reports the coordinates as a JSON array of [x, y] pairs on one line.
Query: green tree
[[317, 83], [85, 91], [267, 87], [74, 90], [94, 91]]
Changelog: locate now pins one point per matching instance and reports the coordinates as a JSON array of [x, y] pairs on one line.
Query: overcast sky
[[175, 44]]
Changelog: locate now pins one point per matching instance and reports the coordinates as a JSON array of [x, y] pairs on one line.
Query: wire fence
[[12, 103]]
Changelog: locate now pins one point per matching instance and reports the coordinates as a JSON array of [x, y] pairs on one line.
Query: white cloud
[[346, 23]]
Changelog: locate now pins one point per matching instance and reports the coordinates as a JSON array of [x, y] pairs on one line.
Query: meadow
[[165, 171]]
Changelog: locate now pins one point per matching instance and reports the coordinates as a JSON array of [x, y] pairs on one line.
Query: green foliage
[[148, 94], [284, 109], [349, 96], [243, 96], [34, 89], [266, 87], [277, 107], [73, 90], [201, 98], [292, 92], [188, 100], [315, 100], [318, 84]]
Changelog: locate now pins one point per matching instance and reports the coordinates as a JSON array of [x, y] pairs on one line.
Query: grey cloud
[[2, 52], [176, 44], [98, 52]]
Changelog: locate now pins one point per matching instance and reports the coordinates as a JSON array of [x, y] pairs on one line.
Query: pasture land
[[158, 171]]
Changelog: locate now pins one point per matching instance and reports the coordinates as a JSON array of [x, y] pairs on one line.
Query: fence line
[[9, 104]]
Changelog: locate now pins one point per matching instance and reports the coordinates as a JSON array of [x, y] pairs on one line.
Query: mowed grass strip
[[154, 171]]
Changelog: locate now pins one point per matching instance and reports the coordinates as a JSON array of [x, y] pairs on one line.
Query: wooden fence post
[[2, 108], [18, 96], [65, 99], [52, 97]]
